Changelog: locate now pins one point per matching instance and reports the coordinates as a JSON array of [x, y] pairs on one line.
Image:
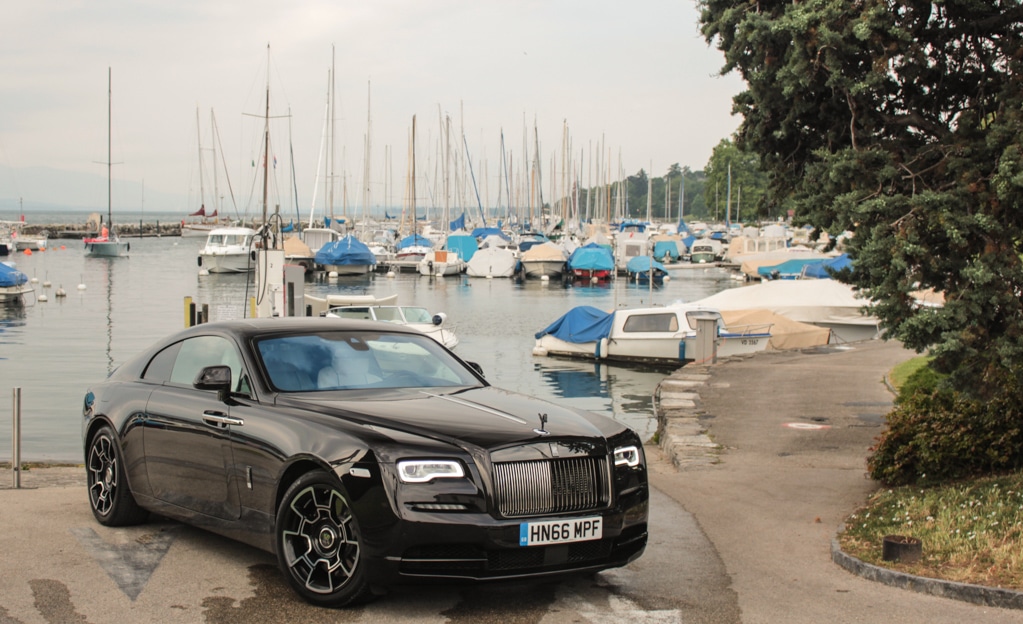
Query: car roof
[[251, 327]]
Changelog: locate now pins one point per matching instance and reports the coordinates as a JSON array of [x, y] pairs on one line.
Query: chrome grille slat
[[547, 486]]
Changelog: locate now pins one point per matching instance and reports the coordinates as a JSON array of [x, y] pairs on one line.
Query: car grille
[[551, 486]]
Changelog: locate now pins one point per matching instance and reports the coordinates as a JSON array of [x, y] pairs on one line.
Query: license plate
[[560, 531]]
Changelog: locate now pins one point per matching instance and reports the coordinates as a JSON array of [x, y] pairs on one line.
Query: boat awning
[[580, 324]]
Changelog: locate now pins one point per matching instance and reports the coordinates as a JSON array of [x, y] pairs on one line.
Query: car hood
[[485, 417]]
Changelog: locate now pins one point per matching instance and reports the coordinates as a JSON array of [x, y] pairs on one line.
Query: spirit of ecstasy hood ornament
[[543, 426]]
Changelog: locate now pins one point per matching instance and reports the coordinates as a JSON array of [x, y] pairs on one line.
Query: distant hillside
[[43, 188]]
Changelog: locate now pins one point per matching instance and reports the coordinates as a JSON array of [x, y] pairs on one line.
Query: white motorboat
[[440, 262], [544, 260], [411, 316], [492, 262], [228, 250], [14, 286], [31, 242], [662, 335], [822, 302]]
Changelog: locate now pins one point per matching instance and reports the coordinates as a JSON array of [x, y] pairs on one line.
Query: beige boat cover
[[543, 252], [295, 248], [785, 333]]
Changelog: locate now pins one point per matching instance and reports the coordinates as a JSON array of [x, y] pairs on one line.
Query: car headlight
[[627, 456], [425, 470]]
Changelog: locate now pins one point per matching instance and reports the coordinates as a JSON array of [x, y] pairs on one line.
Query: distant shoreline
[[78, 231]]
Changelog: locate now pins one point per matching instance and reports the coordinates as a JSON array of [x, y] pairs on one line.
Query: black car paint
[[237, 474]]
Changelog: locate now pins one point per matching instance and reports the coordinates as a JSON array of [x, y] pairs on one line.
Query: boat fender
[[439, 318], [200, 260], [602, 349], [682, 350]]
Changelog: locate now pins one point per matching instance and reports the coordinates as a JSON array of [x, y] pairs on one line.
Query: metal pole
[[16, 440]]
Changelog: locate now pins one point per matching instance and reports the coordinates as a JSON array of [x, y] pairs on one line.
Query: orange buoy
[[28, 252]]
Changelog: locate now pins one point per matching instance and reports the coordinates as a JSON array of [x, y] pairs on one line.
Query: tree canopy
[[902, 121]]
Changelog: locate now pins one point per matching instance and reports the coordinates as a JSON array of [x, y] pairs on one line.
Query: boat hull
[[348, 269], [541, 268], [15, 294], [107, 249], [226, 262]]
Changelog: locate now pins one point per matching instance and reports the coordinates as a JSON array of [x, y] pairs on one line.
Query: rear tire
[[319, 544], [110, 497]]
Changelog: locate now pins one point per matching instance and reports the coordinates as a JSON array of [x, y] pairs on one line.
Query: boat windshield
[[417, 315]]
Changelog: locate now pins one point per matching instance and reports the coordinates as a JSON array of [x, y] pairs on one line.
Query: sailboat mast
[[202, 190], [266, 134], [110, 164]]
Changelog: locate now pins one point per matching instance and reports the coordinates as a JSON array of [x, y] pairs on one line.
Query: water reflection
[[624, 392], [12, 318]]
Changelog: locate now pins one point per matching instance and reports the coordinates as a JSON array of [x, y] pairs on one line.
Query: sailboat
[[107, 244]]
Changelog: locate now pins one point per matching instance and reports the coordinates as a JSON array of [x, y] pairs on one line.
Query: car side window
[[159, 368], [202, 351]]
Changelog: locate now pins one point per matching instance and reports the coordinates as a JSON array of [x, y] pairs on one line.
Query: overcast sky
[[636, 76]]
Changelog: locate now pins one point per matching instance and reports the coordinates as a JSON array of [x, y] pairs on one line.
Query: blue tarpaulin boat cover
[[591, 257], [667, 248], [481, 233], [790, 269], [824, 269], [641, 264], [581, 324], [415, 239], [464, 246], [346, 251], [9, 276]]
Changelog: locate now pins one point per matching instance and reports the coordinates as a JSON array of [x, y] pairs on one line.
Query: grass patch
[[905, 370], [971, 531]]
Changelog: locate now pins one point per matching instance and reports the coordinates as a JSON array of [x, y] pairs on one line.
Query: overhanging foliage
[[903, 122]]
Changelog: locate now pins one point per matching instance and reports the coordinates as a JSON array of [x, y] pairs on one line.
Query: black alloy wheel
[[318, 542], [109, 495]]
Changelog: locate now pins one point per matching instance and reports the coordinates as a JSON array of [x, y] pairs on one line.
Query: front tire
[[318, 542], [110, 497]]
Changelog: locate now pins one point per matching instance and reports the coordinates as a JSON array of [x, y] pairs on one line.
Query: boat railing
[[752, 329]]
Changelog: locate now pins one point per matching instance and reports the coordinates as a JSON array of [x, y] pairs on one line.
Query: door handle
[[220, 419]]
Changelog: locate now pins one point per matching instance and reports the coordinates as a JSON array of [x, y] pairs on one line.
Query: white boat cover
[[807, 301]]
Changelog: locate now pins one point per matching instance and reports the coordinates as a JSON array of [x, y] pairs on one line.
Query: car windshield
[[346, 360]]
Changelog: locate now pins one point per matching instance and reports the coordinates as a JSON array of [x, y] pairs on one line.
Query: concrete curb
[[976, 594], [686, 444]]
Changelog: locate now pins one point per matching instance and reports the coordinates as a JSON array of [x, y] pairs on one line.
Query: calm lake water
[[54, 350]]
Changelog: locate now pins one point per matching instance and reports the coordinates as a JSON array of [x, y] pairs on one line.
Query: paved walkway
[[769, 454]]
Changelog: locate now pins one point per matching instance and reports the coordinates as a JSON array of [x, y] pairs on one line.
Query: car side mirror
[[476, 367], [215, 378]]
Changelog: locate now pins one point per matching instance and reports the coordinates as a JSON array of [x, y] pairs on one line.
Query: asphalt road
[[57, 565]]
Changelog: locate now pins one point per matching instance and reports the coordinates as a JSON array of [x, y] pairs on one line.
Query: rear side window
[[159, 368]]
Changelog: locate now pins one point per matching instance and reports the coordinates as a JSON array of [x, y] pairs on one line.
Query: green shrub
[[923, 380], [937, 435]]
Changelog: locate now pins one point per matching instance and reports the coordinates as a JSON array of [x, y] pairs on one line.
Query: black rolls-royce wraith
[[362, 454]]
